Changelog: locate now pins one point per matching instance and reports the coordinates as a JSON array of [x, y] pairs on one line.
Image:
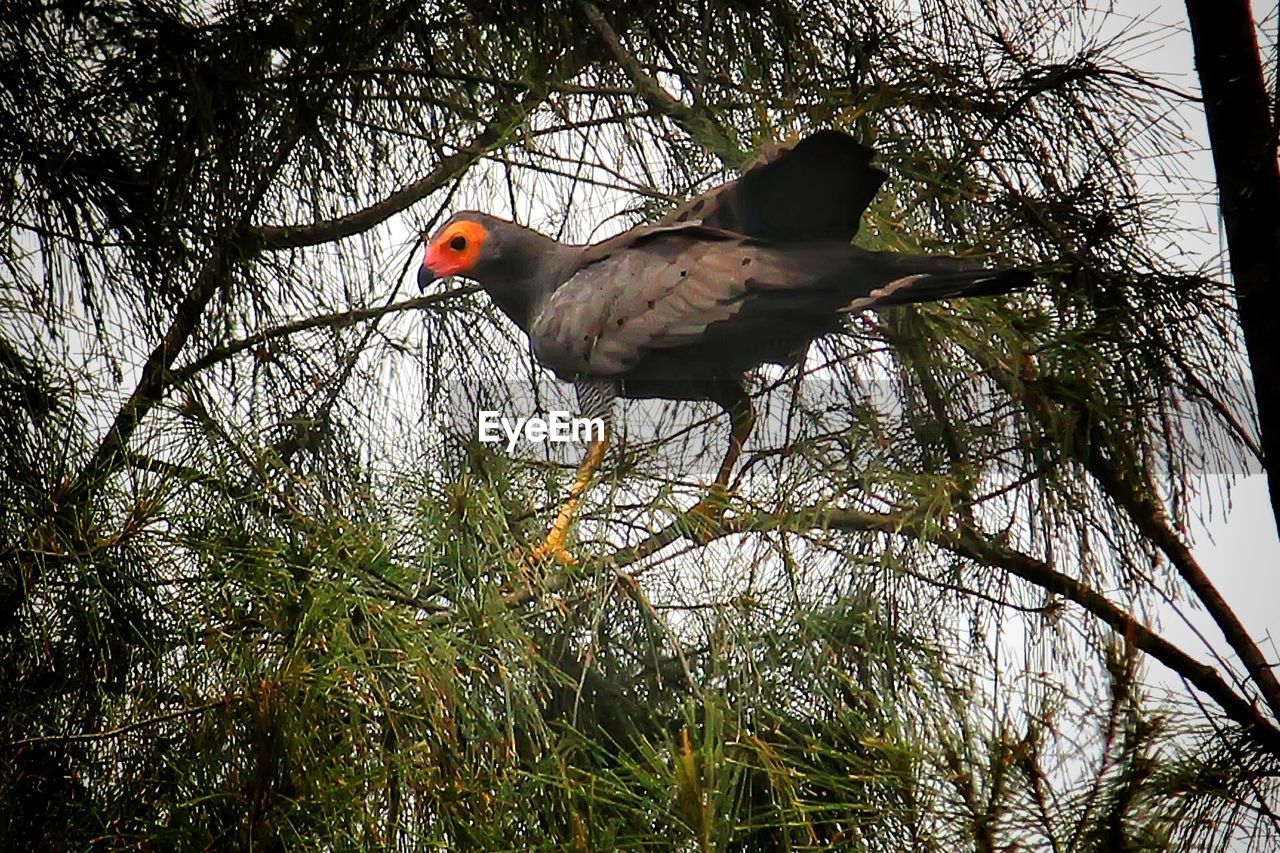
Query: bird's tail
[[921, 278]]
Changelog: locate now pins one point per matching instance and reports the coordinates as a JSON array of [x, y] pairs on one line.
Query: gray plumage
[[751, 272]]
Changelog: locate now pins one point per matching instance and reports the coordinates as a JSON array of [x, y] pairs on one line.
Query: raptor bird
[[748, 273]]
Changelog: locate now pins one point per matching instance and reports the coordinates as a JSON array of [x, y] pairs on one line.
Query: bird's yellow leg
[[708, 514], [553, 545]]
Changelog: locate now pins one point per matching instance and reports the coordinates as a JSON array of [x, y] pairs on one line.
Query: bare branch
[[82, 737], [336, 320], [703, 129], [277, 237]]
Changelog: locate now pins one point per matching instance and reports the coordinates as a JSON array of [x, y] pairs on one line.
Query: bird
[[748, 273]]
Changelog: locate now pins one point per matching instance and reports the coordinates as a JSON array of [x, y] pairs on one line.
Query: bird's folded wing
[[666, 288], [741, 301]]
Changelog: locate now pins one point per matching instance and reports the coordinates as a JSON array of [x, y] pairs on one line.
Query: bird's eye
[[458, 243]]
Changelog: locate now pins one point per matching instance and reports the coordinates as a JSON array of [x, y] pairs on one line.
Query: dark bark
[[1243, 139]]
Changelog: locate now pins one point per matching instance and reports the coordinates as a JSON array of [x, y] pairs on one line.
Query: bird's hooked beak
[[426, 277], [428, 272]]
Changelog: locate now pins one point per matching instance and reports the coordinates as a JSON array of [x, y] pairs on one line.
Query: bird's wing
[[739, 299], [814, 189], [664, 287]]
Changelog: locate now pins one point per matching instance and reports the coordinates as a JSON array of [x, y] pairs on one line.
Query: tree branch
[[967, 543], [245, 243], [1151, 521], [1145, 514], [150, 387], [82, 737], [228, 244], [702, 128], [278, 237], [963, 541], [336, 320], [1243, 139]]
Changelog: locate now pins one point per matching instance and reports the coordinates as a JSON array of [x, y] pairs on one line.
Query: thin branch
[[336, 320], [636, 594], [702, 128], [495, 133], [121, 730], [1224, 411]]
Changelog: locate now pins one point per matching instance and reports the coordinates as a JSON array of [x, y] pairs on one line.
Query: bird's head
[[469, 244], [516, 265]]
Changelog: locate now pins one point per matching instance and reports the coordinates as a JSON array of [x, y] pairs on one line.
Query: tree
[[251, 593]]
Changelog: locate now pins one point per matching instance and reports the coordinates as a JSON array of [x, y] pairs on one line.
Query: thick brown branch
[[1243, 140], [277, 237], [1145, 514], [228, 247], [150, 387], [965, 542], [1153, 524]]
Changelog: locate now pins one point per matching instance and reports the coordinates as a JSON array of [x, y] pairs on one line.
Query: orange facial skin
[[457, 249]]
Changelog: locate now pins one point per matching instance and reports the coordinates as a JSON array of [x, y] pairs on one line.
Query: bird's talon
[[705, 519], [547, 552]]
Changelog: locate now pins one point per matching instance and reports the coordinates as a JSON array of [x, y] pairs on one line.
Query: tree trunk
[[1243, 139]]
